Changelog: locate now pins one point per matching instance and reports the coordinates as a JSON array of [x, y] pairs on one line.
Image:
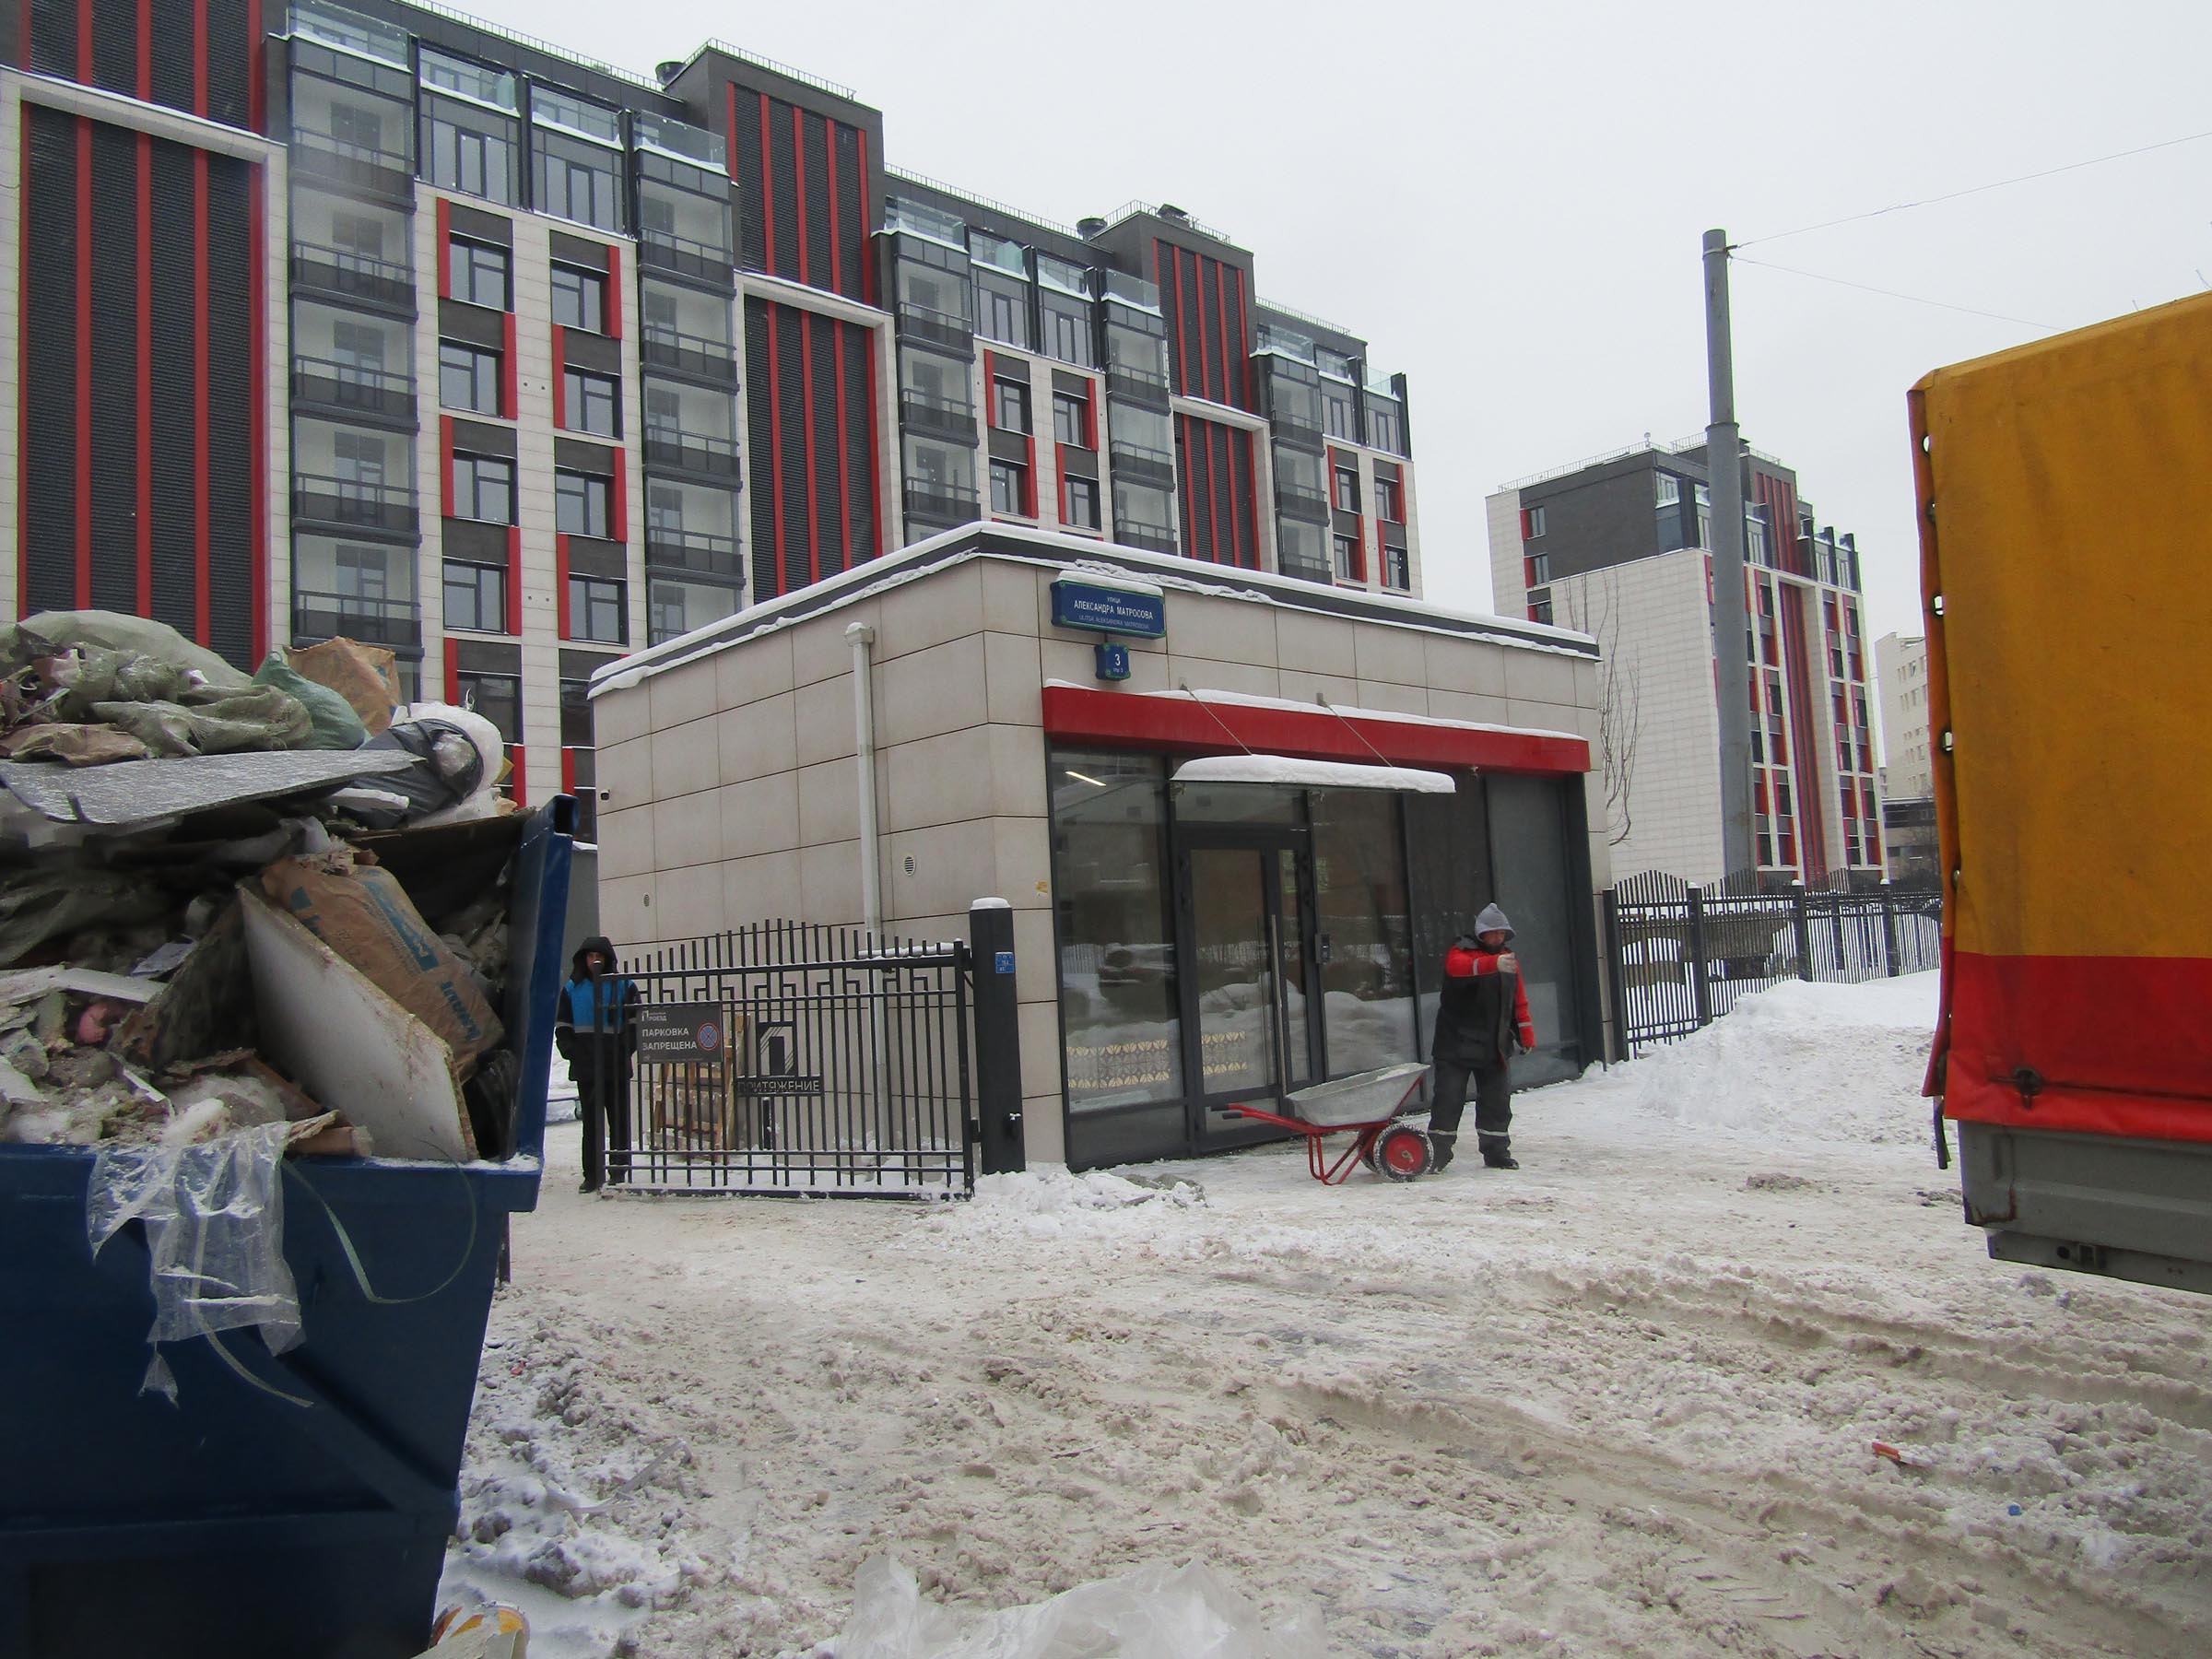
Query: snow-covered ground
[[1620, 1402]]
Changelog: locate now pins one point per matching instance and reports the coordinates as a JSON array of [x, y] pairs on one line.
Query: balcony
[[667, 448], [1138, 386], [695, 354], [1293, 501], [694, 552], [937, 417], [1138, 464], [1289, 428], [351, 392], [353, 504], [1153, 538], [941, 506], [680, 256], [355, 277], [939, 328], [389, 623], [318, 155]]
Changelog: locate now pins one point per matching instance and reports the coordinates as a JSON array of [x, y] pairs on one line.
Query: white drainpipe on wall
[[861, 637]]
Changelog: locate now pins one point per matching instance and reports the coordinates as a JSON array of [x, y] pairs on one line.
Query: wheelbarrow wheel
[[1402, 1153]]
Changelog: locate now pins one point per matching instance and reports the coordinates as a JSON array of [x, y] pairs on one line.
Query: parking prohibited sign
[[671, 1033]]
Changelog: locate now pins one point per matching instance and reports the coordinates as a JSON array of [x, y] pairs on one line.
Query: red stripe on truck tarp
[[1196, 725], [2135, 1025]]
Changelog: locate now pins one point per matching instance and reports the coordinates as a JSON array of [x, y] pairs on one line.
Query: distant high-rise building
[[1617, 548], [1901, 664], [374, 320]]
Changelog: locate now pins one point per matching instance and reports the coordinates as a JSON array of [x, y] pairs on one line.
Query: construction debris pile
[[231, 902]]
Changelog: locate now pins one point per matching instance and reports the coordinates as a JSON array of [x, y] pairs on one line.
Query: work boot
[[1440, 1150], [1498, 1154]]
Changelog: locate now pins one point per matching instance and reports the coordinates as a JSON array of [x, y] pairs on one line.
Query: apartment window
[[1704, 504], [497, 697], [356, 131], [1002, 313], [1539, 606], [1347, 489], [1009, 406], [1539, 568], [357, 458], [1386, 428], [1389, 505], [1071, 422], [362, 575], [1397, 568], [580, 504], [478, 273], [591, 403], [468, 150], [361, 233], [577, 180], [1537, 518], [597, 607], [1338, 418], [484, 489], [358, 345], [1007, 491], [1079, 502], [1666, 490], [579, 299], [1067, 336], [475, 597], [1348, 558], [468, 378]]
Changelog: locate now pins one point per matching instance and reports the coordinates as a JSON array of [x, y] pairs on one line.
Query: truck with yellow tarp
[[2066, 503]]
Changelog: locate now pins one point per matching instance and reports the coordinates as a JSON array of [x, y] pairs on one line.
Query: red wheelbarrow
[[1366, 1103]]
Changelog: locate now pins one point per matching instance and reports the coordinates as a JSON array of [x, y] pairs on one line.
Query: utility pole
[[1723, 462]]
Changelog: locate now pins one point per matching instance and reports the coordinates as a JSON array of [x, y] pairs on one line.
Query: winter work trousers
[[602, 1097], [1493, 1109]]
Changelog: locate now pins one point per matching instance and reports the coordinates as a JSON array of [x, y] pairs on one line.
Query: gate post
[[1889, 927], [1802, 925], [1702, 986], [1616, 977], [997, 1039]]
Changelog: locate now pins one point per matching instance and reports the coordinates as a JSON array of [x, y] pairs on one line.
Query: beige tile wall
[[732, 782]]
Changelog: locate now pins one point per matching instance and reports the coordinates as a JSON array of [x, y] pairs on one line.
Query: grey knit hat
[[1492, 919]]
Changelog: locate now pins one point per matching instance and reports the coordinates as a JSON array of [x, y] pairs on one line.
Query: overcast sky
[[1508, 201]]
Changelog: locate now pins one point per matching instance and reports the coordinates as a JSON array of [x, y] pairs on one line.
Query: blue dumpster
[[240, 1520]]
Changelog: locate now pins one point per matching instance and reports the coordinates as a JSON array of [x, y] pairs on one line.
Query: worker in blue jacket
[[596, 1032]]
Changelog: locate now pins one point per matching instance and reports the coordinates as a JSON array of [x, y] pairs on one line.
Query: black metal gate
[[1682, 955], [787, 1058]]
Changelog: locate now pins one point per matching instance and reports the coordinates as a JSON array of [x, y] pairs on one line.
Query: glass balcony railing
[[663, 250], [941, 328], [698, 552], [352, 276], [684, 141], [389, 623], [938, 417], [696, 355], [916, 219], [690, 452], [355, 503], [352, 388]]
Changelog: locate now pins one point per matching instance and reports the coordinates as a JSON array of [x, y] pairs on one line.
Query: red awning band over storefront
[[1214, 722]]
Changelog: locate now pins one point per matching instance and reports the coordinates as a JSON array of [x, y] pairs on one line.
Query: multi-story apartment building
[[1908, 776], [1616, 547], [373, 320]]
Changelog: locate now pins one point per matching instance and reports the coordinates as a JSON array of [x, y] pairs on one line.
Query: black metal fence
[[787, 1058], [1680, 956]]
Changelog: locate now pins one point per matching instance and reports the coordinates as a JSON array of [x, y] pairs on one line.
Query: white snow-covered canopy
[[1289, 772]]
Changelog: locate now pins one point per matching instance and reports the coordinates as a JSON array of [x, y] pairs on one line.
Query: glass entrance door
[[1249, 1001]]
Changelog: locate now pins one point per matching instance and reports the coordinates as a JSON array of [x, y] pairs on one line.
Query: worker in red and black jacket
[[1482, 1017]]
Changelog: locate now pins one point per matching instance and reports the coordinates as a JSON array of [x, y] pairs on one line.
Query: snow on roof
[[1092, 559], [1289, 772]]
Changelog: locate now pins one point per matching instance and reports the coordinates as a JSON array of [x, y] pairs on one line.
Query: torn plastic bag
[[214, 1220], [1153, 1612], [450, 770], [39, 903], [209, 721], [331, 719], [50, 632], [74, 744]]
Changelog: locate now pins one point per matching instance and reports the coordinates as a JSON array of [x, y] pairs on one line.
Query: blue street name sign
[[1108, 609]]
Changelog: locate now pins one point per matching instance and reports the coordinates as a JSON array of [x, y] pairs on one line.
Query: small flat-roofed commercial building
[[1182, 943]]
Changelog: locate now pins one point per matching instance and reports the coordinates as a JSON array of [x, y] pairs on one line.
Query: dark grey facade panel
[[474, 542], [583, 664], [860, 440], [50, 333], [822, 449], [474, 324], [494, 227], [176, 399], [574, 250], [745, 153], [589, 556], [115, 46], [851, 208], [820, 210], [1009, 446], [593, 351], [113, 460], [478, 439], [1606, 517], [600, 459], [232, 281], [782, 189], [487, 656], [1077, 384], [1080, 463], [791, 460], [230, 59], [759, 426]]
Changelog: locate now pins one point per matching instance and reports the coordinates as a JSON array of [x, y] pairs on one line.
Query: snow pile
[[1153, 1612], [1803, 1063], [1052, 1204], [568, 1488]]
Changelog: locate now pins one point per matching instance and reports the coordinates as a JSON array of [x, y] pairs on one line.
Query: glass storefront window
[[1528, 825], [1363, 913], [1235, 804], [1118, 995]]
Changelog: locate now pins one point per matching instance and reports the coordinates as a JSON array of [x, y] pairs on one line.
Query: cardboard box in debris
[[228, 901]]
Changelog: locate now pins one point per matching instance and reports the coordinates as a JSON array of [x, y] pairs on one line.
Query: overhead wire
[[1894, 294], [1851, 219]]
